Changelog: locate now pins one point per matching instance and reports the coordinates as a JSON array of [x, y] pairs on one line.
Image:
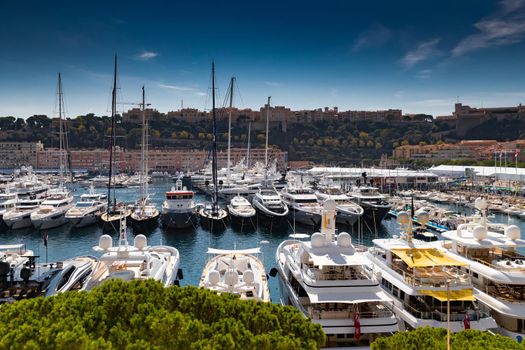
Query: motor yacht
[[348, 212], [493, 253], [20, 216], [331, 281], [238, 272], [178, 209], [303, 205], [270, 208], [373, 203], [135, 261], [8, 202], [429, 285], [242, 213], [88, 209], [52, 211]]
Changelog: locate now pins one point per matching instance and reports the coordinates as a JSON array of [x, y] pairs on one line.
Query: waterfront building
[[17, 154]]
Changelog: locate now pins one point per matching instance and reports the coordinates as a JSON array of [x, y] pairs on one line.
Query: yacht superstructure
[[348, 212], [373, 203], [52, 212], [20, 216], [178, 210], [303, 204], [429, 285], [331, 281], [88, 209]]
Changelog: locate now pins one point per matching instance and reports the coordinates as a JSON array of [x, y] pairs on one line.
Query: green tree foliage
[[145, 315], [427, 338]]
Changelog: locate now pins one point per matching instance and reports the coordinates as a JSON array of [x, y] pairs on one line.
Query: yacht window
[[84, 204], [313, 200]]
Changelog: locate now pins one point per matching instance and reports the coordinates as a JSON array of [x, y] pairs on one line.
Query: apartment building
[[16, 154]]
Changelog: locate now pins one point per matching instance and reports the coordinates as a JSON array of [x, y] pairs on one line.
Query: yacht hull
[[178, 220], [346, 218], [374, 213], [240, 221], [304, 217], [49, 222], [87, 220], [268, 218], [19, 222], [111, 222], [144, 222], [213, 223]]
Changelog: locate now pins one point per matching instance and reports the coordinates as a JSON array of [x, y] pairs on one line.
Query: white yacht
[[178, 210], [20, 216], [131, 262], [348, 212], [241, 212], [8, 202], [429, 285], [237, 272], [492, 252], [303, 204], [331, 281], [70, 275], [270, 207], [88, 209], [52, 211], [373, 203]]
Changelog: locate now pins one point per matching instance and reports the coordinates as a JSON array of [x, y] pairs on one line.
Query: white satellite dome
[[479, 232], [105, 242], [214, 277], [422, 216], [317, 240], [330, 204], [480, 204], [344, 240], [248, 276], [403, 218], [140, 242], [231, 278], [513, 232]]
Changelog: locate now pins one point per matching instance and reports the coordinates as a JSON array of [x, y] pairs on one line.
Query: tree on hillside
[[145, 315]]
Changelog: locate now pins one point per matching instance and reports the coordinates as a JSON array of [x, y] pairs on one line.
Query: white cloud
[[424, 74], [376, 35], [504, 27], [434, 102], [422, 52], [146, 55], [187, 89]]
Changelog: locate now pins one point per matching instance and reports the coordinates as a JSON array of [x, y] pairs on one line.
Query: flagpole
[[448, 315]]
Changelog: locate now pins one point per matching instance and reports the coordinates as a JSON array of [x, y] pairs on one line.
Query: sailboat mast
[[248, 149], [61, 131], [112, 137], [214, 149], [267, 127], [143, 150], [230, 125], [146, 148]]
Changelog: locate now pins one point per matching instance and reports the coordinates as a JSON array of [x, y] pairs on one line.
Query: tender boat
[[88, 209], [493, 253], [237, 272], [429, 285], [20, 216], [134, 262], [242, 213], [332, 282], [178, 210]]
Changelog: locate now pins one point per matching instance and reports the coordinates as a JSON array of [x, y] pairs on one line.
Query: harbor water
[[66, 242]]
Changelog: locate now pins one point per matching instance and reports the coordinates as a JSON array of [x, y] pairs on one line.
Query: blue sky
[[414, 55]]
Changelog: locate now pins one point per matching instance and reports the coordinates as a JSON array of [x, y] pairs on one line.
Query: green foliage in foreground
[[145, 315], [427, 338]]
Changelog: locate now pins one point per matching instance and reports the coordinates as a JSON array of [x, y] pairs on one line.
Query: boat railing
[[452, 277], [455, 316], [506, 293], [316, 274], [319, 314]]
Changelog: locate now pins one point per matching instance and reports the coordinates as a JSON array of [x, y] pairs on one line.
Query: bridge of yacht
[[509, 292], [347, 311], [495, 257]]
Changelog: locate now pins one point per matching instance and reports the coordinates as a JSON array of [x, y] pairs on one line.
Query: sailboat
[[112, 217], [145, 214], [211, 216], [51, 213]]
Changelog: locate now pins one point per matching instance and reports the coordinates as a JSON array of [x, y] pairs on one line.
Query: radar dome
[[344, 240], [231, 278], [403, 218], [329, 204], [317, 240], [140, 242], [422, 216], [214, 277], [513, 232], [480, 204], [248, 276], [105, 242], [479, 233]]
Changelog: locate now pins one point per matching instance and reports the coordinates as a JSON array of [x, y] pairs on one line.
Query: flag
[[516, 153], [466, 321], [357, 325], [45, 238]]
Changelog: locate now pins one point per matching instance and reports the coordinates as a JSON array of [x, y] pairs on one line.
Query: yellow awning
[[425, 257], [441, 295]]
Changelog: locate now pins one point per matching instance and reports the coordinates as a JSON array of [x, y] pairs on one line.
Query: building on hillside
[[16, 154], [134, 115], [388, 115], [467, 117]]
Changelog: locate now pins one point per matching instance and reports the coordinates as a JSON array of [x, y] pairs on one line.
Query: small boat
[[241, 212], [237, 272]]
